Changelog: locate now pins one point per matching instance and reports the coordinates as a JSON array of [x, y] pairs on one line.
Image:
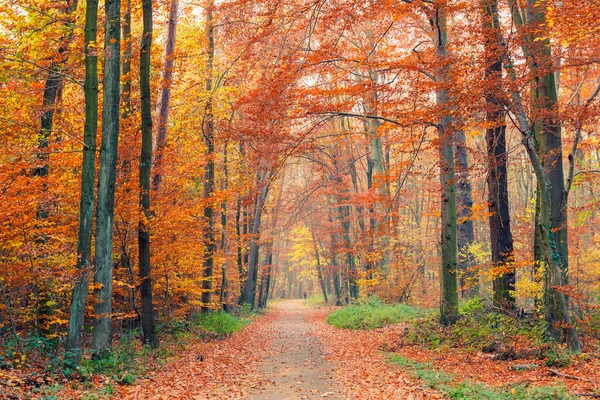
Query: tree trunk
[[86, 203], [499, 215], [337, 287], [165, 97], [465, 262], [224, 295], [377, 175], [102, 342], [208, 130], [125, 76], [269, 253], [549, 151], [319, 270], [448, 283], [251, 281], [149, 335], [548, 240]]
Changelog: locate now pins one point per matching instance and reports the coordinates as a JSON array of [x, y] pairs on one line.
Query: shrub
[[372, 313], [218, 323]]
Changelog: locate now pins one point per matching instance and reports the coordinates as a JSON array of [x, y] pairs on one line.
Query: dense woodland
[[161, 159]]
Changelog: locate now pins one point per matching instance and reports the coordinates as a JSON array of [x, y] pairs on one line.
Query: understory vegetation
[[372, 313], [482, 331], [128, 361], [467, 390]]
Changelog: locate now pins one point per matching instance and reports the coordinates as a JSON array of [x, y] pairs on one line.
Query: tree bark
[[468, 278], [208, 131], [548, 240], [149, 335], [102, 341], [448, 281], [318, 259], [551, 185], [251, 280], [126, 69], [165, 97], [497, 180], [86, 203]]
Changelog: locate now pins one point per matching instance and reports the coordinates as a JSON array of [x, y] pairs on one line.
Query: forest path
[[290, 352], [295, 367]]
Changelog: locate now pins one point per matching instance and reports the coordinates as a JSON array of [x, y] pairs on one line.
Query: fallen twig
[[558, 373]]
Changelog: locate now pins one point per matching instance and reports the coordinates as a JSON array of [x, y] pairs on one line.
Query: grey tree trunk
[[86, 203], [160, 140], [318, 259], [448, 281], [251, 280], [208, 131], [548, 240], [468, 278], [343, 211], [224, 295], [149, 335], [266, 279], [103, 261], [377, 169], [499, 218], [551, 184], [337, 287], [126, 69]]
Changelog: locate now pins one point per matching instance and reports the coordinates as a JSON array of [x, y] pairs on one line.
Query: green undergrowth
[[477, 326], [315, 300], [128, 360], [373, 313], [218, 324], [454, 388]]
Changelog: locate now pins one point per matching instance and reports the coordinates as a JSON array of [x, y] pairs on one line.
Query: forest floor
[[290, 353]]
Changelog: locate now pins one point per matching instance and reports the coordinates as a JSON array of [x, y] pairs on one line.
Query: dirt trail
[[295, 367], [287, 354]]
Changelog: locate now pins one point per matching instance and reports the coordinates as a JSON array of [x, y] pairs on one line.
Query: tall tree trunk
[[208, 129], [149, 335], [126, 69], [548, 240], [337, 287], [318, 259], [251, 280], [165, 97], [224, 295], [54, 82], [240, 248], [448, 282], [547, 125], [52, 89], [102, 342], [266, 278], [465, 262], [499, 215], [86, 203], [377, 174]]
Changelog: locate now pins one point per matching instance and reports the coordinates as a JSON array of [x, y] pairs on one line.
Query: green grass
[[453, 388], [372, 313], [315, 300], [477, 326], [218, 323]]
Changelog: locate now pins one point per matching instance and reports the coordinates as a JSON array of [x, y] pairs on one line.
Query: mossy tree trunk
[[103, 261], [88, 176]]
